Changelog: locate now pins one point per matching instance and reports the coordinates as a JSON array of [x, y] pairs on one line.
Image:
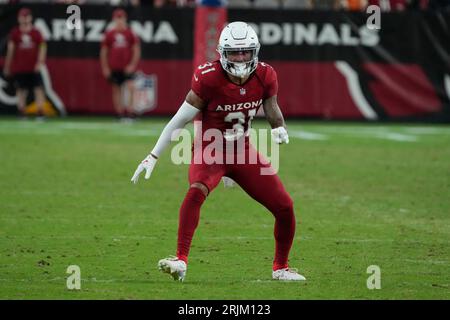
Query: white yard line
[[307, 135], [323, 133], [397, 137]]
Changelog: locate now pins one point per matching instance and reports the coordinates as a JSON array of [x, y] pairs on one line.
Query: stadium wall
[[329, 64]]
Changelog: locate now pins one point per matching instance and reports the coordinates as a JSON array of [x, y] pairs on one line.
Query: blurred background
[[330, 64]]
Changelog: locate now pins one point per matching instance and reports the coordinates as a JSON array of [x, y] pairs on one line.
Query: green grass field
[[364, 195]]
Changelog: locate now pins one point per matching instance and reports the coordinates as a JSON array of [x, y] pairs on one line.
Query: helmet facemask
[[235, 68]]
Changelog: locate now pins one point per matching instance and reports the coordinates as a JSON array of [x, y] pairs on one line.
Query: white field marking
[[88, 125], [427, 131], [109, 128], [397, 137], [355, 90], [59, 128], [307, 135], [430, 261], [141, 133], [447, 85], [119, 129], [353, 131], [370, 130], [101, 126], [379, 133]]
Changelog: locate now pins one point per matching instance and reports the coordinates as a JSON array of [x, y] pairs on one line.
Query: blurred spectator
[[354, 5], [267, 4], [134, 3], [25, 56], [325, 4], [417, 4], [67, 1], [389, 5], [286, 4], [119, 56], [212, 3], [240, 3], [297, 4], [165, 3], [173, 3]]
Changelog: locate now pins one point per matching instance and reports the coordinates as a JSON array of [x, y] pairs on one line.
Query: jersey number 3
[[238, 128], [206, 65]]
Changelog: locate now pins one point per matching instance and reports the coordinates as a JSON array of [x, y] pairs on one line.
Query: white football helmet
[[238, 36]]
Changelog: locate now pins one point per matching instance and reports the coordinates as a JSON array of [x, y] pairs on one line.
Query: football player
[[228, 93]]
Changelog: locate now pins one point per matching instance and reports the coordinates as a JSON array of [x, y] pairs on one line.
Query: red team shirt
[[230, 105], [120, 44], [26, 49]]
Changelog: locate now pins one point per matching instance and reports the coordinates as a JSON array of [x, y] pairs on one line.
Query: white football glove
[[228, 182], [280, 135], [147, 164]]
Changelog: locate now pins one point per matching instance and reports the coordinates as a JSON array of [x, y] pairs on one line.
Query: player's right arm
[[8, 58], [190, 108]]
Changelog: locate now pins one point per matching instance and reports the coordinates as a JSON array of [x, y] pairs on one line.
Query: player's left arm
[[275, 118], [273, 112]]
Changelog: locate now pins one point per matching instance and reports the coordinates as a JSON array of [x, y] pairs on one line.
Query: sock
[[188, 221]]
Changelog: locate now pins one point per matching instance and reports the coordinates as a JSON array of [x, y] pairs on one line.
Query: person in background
[[26, 52], [173, 3], [119, 56], [325, 4], [389, 5], [132, 3], [355, 5]]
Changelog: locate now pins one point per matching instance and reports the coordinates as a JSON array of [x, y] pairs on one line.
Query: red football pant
[[266, 189]]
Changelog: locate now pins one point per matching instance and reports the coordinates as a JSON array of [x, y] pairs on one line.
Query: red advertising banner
[[82, 87], [329, 65]]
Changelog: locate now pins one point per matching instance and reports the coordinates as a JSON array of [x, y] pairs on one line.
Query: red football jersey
[[26, 49], [120, 44], [231, 107]]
